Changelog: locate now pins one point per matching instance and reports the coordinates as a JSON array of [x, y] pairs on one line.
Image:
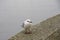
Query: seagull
[[27, 26]]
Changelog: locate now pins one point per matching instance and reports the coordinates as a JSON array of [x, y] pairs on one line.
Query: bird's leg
[[25, 31], [28, 31]]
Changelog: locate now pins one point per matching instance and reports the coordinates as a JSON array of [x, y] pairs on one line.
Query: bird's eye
[[27, 21]]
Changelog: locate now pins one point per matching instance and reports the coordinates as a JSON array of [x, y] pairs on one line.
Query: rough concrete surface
[[48, 29]]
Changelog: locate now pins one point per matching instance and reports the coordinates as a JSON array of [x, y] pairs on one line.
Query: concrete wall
[[14, 12]]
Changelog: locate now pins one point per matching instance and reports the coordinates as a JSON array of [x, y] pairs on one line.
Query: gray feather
[[22, 24]]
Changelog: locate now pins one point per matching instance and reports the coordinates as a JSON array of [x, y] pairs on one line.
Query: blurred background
[[14, 12]]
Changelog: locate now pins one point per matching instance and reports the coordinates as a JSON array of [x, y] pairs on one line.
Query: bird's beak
[[30, 21]]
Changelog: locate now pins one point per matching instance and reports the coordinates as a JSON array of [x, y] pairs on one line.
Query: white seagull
[[27, 26]]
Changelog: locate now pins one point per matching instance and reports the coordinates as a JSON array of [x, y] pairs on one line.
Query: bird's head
[[28, 20]]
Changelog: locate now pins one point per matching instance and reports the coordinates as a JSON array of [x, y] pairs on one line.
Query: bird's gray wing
[[22, 24]]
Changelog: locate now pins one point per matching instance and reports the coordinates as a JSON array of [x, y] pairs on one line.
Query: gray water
[[14, 12]]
